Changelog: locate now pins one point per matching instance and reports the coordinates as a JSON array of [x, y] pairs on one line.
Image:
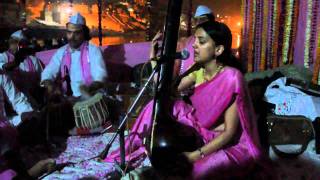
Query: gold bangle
[[201, 153]]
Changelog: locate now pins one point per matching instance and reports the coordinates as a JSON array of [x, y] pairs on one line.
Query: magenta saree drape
[[209, 102]]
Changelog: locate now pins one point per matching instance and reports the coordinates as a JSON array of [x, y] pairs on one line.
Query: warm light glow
[[124, 3], [239, 23], [218, 15], [237, 54], [69, 10], [130, 9], [238, 40]]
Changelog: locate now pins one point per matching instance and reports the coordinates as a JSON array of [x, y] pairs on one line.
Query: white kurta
[[17, 99], [97, 67], [3, 59]]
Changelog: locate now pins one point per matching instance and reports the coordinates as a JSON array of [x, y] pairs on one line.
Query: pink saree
[[209, 102]]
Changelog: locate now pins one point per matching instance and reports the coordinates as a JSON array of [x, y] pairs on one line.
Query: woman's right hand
[[155, 44]]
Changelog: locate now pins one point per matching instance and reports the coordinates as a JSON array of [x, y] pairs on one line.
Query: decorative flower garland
[[294, 28], [256, 34], [251, 34], [245, 9], [287, 30], [257, 51], [313, 35], [264, 35], [281, 25], [270, 34], [275, 30], [316, 70], [307, 35], [318, 35]]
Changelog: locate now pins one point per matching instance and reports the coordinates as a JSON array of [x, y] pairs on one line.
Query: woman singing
[[220, 111]]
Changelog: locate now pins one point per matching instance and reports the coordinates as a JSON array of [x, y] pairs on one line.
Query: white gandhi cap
[[77, 19], [202, 10]]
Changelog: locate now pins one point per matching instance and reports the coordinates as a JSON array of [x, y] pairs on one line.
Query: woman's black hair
[[221, 35], [86, 33]]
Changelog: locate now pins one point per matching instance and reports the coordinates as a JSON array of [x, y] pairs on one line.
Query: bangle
[[201, 153]]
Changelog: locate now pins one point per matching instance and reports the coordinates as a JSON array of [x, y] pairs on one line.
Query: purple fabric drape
[[130, 54]]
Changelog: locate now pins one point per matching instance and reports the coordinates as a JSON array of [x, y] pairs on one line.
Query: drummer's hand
[[41, 167], [155, 44], [53, 94], [85, 92], [48, 85]]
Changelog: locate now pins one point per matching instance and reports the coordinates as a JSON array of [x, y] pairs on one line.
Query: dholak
[[91, 113]]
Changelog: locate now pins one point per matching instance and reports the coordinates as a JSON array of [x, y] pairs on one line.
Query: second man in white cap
[[79, 59]]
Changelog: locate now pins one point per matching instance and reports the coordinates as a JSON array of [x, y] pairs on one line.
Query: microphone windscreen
[[185, 54]]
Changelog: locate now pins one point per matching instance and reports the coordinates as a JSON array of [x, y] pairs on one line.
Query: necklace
[[219, 68]]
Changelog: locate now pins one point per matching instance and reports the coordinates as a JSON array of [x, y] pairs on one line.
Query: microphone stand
[[120, 130], [104, 153]]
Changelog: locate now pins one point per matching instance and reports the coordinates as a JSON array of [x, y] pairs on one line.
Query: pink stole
[[10, 56], [85, 66], [30, 65]]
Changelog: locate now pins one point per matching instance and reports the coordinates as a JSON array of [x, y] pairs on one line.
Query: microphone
[[183, 55]]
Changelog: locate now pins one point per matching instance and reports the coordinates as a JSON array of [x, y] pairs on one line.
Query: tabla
[[91, 113]]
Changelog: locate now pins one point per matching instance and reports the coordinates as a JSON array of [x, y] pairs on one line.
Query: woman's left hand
[[192, 156]]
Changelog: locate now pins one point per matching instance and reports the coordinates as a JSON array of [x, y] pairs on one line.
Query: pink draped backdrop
[[120, 59], [130, 54]]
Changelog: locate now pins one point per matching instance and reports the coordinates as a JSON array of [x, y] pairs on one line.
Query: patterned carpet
[[304, 167]]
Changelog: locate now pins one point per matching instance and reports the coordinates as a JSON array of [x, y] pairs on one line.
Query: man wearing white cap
[[21, 65], [29, 64], [79, 59], [203, 14]]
